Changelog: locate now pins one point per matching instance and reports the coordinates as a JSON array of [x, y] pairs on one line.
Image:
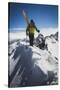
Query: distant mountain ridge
[[40, 41]]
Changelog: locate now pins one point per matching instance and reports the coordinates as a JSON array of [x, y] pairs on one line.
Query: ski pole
[[26, 40]]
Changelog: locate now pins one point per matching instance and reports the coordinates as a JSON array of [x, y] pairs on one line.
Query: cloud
[[44, 31], [48, 31], [17, 29]]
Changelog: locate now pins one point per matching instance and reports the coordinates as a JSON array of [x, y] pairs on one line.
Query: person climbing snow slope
[[30, 31]]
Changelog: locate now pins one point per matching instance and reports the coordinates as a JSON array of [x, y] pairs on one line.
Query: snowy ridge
[[52, 43], [32, 65]]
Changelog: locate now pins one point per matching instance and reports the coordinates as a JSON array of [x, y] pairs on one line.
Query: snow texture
[[32, 66]]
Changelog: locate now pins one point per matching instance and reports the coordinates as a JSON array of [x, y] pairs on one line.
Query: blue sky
[[45, 16]]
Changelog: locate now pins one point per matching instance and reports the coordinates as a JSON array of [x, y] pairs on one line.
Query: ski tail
[[25, 17]]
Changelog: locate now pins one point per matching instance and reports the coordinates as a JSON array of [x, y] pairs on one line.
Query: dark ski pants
[[31, 39]]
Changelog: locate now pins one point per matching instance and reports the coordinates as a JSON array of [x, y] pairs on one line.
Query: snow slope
[[32, 66], [52, 44]]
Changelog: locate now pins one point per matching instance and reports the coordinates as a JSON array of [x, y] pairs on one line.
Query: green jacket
[[31, 29]]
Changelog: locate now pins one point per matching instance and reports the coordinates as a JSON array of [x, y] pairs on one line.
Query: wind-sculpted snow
[[52, 44], [30, 66]]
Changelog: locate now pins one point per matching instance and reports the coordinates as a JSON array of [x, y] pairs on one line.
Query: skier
[[30, 31]]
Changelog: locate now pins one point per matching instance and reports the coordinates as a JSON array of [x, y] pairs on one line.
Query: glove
[[38, 31]]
